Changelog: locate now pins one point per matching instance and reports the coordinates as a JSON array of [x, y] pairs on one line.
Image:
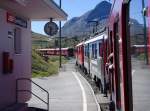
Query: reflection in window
[[139, 55]]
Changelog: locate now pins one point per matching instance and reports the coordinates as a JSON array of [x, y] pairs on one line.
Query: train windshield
[[140, 54]]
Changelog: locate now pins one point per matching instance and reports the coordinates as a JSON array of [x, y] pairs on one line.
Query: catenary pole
[[145, 32], [60, 65]]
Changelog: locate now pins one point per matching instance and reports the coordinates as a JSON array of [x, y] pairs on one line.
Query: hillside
[[40, 41], [79, 26], [41, 68], [38, 37]]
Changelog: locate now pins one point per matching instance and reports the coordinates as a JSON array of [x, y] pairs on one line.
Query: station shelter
[[15, 43]]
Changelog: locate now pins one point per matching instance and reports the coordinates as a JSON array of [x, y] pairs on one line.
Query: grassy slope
[[41, 68], [36, 36]]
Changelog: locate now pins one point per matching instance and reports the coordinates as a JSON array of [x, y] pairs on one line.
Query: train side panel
[[80, 55], [96, 61], [87, 58], [121, 95], [149, 31]]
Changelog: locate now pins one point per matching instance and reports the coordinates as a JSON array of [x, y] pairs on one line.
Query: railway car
[[80, 55], [91, 58], [94, 58], [129, 75], [68, 52], [112, 61]]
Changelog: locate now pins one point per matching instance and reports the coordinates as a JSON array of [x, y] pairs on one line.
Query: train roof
[[81, 43], [98, 37], [46, 49]]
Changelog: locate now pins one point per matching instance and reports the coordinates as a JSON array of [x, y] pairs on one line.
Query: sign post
[[60, 40]]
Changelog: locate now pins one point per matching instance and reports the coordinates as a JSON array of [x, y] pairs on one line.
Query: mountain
[[79, 26]]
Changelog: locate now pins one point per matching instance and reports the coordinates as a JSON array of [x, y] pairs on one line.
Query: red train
[[91, 57], [109, 57], [68, 52]]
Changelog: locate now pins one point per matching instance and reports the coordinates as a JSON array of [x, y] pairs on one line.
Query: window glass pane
[[92, 50], [17, 41], [84, 51], [100, 50], [96, 51], [139, 55]]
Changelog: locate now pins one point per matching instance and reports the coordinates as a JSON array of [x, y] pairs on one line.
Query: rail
[[20, 90]]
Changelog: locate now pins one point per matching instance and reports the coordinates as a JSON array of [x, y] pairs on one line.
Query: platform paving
[[69, 91]]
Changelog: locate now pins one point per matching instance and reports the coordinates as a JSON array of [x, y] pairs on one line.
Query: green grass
[[41, 68], [56, 58], [141, 56]]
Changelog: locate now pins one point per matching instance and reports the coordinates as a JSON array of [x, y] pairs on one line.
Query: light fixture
[[126, 1], [22, 2]]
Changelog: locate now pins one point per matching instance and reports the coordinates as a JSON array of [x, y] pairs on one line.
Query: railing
[[20, 90]]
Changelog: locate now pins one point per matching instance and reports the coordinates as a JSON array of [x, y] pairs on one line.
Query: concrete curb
[[98, 106]]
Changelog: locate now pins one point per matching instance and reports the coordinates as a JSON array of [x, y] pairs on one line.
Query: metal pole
[[145, 33], [48, 102], [60, 39]]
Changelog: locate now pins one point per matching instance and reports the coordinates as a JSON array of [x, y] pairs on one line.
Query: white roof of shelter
[[34, 9]]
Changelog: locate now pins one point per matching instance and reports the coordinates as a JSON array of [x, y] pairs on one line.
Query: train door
[[117, 65], [105, 56], [102, 46], [110, 62], [88, 57], [139, 44], [126, 79]]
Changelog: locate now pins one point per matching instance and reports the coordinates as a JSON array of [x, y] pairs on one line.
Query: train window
[[80, 49], [111, 43], [92, 50], [95, 51], [86, 50], [140, 53], [99, 49]]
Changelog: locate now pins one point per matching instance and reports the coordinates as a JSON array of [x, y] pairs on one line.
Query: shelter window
[[17, 41]]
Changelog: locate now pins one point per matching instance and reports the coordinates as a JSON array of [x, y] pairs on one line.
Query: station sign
[[16, 20], [51, 28]]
